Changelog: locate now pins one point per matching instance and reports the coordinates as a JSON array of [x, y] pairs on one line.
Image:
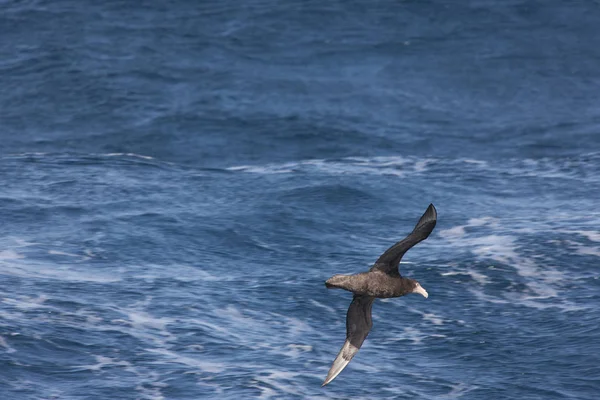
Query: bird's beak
[[419, 289]]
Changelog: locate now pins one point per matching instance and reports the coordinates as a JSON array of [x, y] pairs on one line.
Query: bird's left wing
[[358, 325]]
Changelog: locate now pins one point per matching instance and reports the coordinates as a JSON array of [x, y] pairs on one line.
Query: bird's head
[[417, 288]]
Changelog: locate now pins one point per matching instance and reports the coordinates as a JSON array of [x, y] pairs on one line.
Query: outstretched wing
[[388, 262], [358, 325]]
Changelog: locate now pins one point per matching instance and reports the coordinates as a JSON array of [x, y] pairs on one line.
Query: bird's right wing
[[388, 261], [358, 325]]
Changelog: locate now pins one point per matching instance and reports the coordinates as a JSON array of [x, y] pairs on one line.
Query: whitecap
[[505, 249], [458, 390], [4, 344], [142, 320], [453, 233], [35, 270], [201, 365], [411, 334], [103, 362], [62, 253], [588, 251], [295, 350], [27, 302], [321, 305], [593, 236], [475, 275], [10, 255], [434, 319], [275, 379], [128, 155]]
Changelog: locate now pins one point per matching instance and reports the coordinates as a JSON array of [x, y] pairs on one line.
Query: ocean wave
[[55, 158], [584, 168], [495, 242]]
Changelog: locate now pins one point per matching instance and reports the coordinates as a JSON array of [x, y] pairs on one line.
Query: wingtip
[[432, 208], [342, 360], [329, 378], [331, 375], [431, 213]]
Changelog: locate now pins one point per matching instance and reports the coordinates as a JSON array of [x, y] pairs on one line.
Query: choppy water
[[178, 180]]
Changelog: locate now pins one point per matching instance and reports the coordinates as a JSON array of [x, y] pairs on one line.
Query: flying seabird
[[383, 280]]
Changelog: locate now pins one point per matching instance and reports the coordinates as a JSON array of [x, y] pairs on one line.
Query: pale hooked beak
[[419, 289]]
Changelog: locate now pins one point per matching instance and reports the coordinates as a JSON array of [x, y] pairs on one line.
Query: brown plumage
[[383, 280]]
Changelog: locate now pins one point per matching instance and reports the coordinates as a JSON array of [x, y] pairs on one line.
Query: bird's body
[[372, 283], [383, 280]]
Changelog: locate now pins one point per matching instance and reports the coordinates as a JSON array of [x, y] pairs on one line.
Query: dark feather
[[388, 262]]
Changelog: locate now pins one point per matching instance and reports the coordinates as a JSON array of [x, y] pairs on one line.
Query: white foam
[[151, 387], [68, 273], [128, 155], [459, 390], [453, 233], [421, 165], [403, 166], [412, 334], [265, 392], [295, 350], [216, 387], [59, 155], [186, 273], [503, 248], [103, 362], [26, 302], [396, 165], [85, 320], [316, 303], [475, 275], [581, 248], [10, 255], [477, 162], [479, 295], [65, 254], [27, 154], [4, 344], [267, 169], [483, 221], [143, 320], [434, 319], [62, 253], [201, 365], [593, 236], [297, 327], [275, 379], [588, 251], [24, 243], [499, 248]]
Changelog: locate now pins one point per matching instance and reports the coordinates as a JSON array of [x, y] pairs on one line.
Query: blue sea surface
[[180, 178]]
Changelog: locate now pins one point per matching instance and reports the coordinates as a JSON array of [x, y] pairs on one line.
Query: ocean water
[[180, 178]]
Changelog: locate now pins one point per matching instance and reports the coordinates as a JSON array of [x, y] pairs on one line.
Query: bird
[[383, 280]]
